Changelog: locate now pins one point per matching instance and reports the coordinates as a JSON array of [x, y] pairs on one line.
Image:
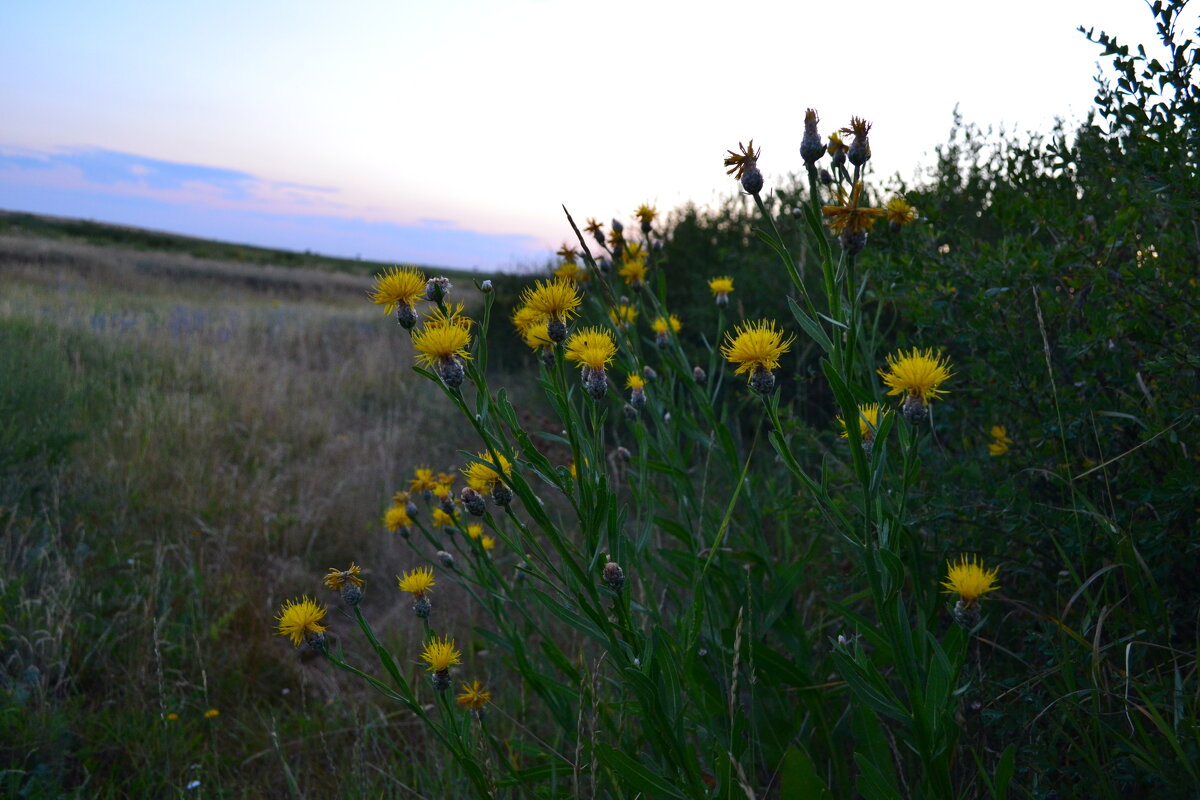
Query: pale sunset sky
[[451, 133]]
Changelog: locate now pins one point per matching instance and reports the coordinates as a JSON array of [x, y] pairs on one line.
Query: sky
[[452, 133]]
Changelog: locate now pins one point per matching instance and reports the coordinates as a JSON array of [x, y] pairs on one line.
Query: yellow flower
[[417, 582], [591, 347], [635, 381], [869, 417], [623, 315], [212, 712], [423, 482], [645, 213], [446, 479], [441, 518], [755, 345], [741, 163], [441, 338], [337, 579], [969, 580], [633, 271], [568, 271], [836, 145], [474, 530], [572, 470], [634, 252], [300, 617], [481, 476], [615, 238], [396, 518], [398, 287], [567, 253], [848, 218], [917, 374], [999, 447], [473, 696], [172, 717], [720, 286], [662, 324], [400, 498], [440, 655], [899, 212], [593, 227], [488, 543], [556, 300], [441, 491]]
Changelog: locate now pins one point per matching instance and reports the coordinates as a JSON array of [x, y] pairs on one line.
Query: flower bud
[[436, 289], [472, 501], [486, 287], [614, 576], [501, 494], [446, 559], [763, 380], [699, 375]]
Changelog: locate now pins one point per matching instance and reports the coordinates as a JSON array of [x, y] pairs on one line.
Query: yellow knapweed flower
[[211, 713], [440, 655], [591, 347], [848, 218], [662, 324], [869, 417], [172, 717], [593, 227], [555, 299], [525, 318], [837, 146], [474, 530], [916, 375], [645, 213], [1000, 443], [440, 341], [441, 518], [635, 381], [898, 212], [568, 271], [488, 543], [720, 286], [397, 288], [969, 580], [400, 498], [473, 696], [482, 477], [416, 582], [740, 163], [298, 618], [422, 481], [755, 346], [633, 271], [337, 579], [567, 253], [396, 518], [623, 315]]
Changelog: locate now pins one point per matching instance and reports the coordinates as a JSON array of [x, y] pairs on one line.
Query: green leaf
[[636, 777]]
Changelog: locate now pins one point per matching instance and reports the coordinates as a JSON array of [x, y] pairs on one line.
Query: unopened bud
[[501, 494], [446, 559], [699, 375], [614, 576], [472, 501]]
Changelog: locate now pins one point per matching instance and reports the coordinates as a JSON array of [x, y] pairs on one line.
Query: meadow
[[840, 488]]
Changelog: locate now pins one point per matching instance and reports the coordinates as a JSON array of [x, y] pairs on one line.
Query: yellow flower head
[[212, 713], [398, 287], [836, 145], [300, 617], [720, 286], [441, 518], [400, 498], [633, 271], [969, 580], [591, 347], [623, 315], [474, 530], [916, 374], [635, 381], [664, 324], [423, 480], [417, 582], [525, 318], [473, 696], [593, 227], [442, 337], [446, 479], [396, 518], [568, 271], [899, 212], [337, 579], [634, 252], [481, 476], [858, 127], [567, 253], [848, 217], [615, 238], [645, 213], [742, 162], [755, 344], [440, 655], [441, 491], [488, 543], [869, 417], [555, 299], [1000, 443]]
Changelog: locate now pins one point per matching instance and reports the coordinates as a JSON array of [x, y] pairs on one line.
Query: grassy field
[[188, 441]]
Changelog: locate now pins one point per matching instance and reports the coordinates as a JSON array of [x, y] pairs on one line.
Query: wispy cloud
[[232, 205]]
